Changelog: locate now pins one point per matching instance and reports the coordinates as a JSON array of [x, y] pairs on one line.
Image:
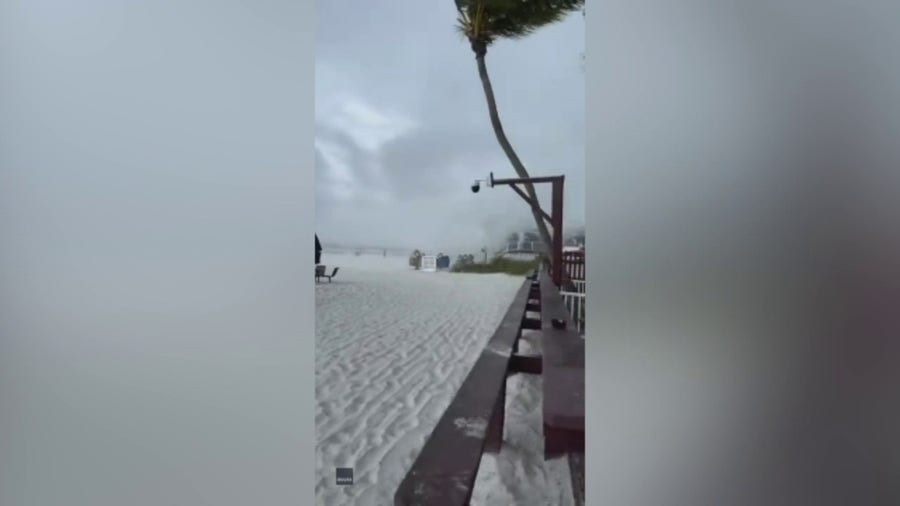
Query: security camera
[[475, 187]]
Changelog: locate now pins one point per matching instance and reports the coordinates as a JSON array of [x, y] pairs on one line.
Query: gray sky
[[402, 127]]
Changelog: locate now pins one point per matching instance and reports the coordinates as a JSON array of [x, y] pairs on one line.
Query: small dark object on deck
[[558, 324]]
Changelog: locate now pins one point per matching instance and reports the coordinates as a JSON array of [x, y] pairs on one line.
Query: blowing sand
[[392, 347]]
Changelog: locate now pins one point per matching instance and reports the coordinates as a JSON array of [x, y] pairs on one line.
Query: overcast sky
[[402, 127]]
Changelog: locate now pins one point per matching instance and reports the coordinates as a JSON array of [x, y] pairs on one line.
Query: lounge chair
[[320, 273]]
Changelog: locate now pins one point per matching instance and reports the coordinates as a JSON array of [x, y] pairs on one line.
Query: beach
[[392, 347]]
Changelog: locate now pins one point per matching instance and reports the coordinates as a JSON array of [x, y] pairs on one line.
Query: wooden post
[[557, 216]]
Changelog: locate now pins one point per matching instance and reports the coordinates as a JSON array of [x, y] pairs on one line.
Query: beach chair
[[324, 275], [320, 271], [333, 274]]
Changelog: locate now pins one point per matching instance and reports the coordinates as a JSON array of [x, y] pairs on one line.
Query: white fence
[[580, 285], [575, 303]]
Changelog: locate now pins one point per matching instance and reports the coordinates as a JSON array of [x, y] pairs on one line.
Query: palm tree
[[415, 259], [484, 21]]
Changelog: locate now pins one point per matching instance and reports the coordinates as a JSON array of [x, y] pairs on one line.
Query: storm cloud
[[403, 128]]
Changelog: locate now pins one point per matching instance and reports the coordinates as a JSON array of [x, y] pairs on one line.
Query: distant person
[[318, 250]]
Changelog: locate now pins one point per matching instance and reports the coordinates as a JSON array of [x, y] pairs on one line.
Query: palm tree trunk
[[508, 149]]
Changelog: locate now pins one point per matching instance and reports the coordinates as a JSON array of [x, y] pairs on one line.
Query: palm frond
[[488, 20]]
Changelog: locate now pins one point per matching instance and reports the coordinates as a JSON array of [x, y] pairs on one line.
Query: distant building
[[526, 245], [529, 241]]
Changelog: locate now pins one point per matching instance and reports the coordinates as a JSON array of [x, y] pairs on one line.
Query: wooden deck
[[563, 371]]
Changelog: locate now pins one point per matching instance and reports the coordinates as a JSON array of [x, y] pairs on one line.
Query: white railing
[[580, 285], [575, 303]]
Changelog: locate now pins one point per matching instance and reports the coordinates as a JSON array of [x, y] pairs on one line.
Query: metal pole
[[557, 216], [532, 180]]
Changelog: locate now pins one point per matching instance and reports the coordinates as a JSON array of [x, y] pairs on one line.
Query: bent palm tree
[[484, 21]]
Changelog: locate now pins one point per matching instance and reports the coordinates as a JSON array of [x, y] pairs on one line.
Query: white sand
[[392, 347], [519, 475]]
